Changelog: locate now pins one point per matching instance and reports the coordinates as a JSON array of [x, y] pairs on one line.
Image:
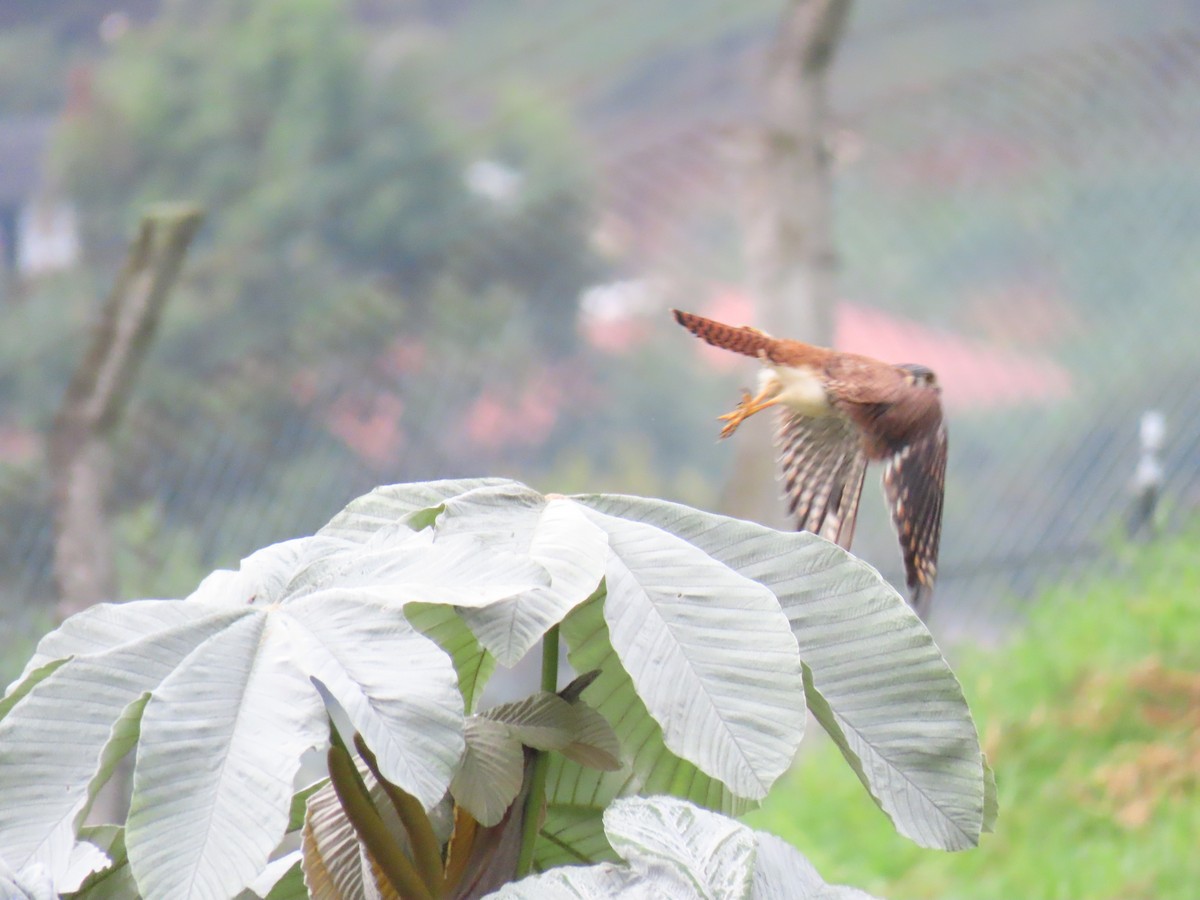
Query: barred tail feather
[[744, 339]]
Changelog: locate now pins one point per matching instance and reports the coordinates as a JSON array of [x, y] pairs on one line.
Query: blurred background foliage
[[442, 239]]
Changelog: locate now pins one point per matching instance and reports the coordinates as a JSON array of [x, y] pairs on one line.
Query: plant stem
[[537, 790], [550, 660], [427, 852], [368, 824]]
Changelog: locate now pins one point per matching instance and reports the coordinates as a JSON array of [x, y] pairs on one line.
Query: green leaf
[[576, 796], [290, 886], [115, 883], [282, 879], [29, 679], [300, 802], [571, 835], [991, 803], [876, 681], [109, 840], [491, 771], [445, 627], [554, 533]]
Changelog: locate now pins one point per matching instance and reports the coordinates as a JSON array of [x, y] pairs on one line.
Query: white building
[[39, 230]]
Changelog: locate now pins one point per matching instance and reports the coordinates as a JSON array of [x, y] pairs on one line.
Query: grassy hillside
[[1091, 718]]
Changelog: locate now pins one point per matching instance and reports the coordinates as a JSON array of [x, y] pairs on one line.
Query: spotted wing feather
[[823, 467], [914, 480]]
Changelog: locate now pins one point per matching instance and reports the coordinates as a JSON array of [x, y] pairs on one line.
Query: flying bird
[[837, 411]]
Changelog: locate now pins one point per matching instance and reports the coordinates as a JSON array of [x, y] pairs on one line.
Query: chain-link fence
[[1018, 206]]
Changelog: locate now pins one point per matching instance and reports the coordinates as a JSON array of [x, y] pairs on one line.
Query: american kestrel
[[837, 411]]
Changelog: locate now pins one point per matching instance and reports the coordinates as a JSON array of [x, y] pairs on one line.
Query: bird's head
[[920, 376]]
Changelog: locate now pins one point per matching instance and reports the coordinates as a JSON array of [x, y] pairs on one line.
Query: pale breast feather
[[801, 389]]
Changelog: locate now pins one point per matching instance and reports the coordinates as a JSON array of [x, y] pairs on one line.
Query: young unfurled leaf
[[489, 775], [546, 721]]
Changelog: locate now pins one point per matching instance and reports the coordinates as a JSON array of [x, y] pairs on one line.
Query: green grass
[[1091, 718]]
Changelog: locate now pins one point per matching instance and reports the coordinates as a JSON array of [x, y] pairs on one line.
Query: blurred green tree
[[349, 248]]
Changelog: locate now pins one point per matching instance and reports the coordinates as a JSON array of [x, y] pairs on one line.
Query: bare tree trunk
[[79, 445], [788, 224]]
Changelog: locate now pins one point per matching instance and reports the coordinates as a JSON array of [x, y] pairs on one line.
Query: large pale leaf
[[56, 738], [232, 707], [33, 882], [265, 576], [398, 687], [589, 883], [407, 566], [702, 848], [221, 742], [876, 680], [554, 533], [385, 506], [710, 654], [576, 797], [672, 848], [781, 873]]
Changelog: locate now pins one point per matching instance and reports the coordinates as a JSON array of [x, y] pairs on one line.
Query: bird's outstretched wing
[[823, 467], [914, 480]]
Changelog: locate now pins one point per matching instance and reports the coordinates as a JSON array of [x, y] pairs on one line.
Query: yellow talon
[[746, 407]]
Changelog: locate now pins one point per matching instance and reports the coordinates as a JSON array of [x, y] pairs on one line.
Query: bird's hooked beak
[[920, 376]]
